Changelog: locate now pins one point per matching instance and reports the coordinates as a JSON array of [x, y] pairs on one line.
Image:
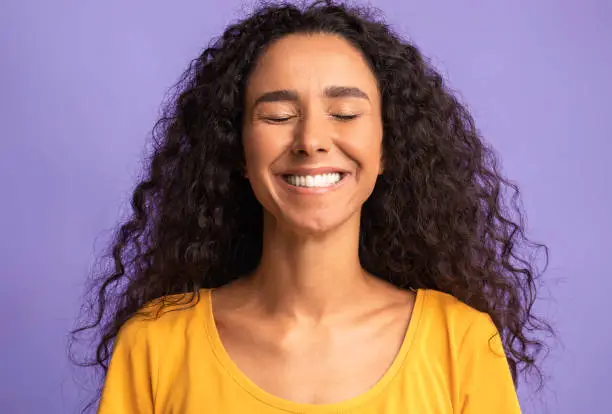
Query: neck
[[306, 276]]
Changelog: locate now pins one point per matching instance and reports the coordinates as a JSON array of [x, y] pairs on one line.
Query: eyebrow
[[284, 95], [345, 92]]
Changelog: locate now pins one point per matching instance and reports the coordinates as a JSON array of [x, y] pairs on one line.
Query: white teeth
[[320, 180]]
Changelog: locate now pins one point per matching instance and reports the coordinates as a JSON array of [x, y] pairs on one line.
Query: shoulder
[[163, 317], [468, 344], [454, 319], [447, 306]]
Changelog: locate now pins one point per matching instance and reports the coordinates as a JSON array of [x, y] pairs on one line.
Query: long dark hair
[[441, 216]]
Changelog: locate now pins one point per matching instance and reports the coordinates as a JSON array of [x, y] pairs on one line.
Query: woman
[[321, 230]]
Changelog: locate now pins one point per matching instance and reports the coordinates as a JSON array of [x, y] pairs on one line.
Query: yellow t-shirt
[[451, 361]]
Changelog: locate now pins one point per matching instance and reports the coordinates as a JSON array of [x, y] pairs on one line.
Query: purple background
[[80, 87]]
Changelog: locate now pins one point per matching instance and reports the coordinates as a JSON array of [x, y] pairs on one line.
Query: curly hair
[[441, 216]]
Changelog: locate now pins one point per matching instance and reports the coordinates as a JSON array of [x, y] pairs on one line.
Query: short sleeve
[[130, 381], [486, 384]]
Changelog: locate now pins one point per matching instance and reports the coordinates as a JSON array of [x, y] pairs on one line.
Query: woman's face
[[312, 132]]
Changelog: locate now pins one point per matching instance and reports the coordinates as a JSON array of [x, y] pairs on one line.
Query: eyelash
[[346, 117], [339, 117], [278, 120]]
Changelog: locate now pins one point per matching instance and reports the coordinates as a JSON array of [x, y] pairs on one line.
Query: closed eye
[[345, 117], [283, 119], [278, 119]]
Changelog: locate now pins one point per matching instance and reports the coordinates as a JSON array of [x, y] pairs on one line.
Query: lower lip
[[313, 190]]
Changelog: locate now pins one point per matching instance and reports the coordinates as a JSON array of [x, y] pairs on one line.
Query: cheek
[[256, 151], [261, 150], [255, 156], [365, 147]]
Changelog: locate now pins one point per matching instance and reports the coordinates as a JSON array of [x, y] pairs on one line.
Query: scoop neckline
[[230, 367]]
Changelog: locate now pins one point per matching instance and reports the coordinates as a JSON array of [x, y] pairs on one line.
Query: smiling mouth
[[314, 181]]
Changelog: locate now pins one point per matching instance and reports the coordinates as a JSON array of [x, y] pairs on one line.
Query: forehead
[[311, 61]]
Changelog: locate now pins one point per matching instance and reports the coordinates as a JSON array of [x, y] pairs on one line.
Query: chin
[[318, 225], [313, 229]]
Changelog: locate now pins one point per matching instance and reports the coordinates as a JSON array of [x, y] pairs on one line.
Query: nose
[[312, 136]]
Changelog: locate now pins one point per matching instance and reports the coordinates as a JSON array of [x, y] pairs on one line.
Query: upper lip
[[314, 171]]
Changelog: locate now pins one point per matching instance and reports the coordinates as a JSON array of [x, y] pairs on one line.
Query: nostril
[[300, 151]]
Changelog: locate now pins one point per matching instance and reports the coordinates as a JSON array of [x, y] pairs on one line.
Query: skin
[[322, 327]]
